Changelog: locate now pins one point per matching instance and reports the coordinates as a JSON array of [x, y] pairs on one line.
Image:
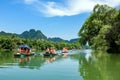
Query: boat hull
[[22, 55], [51, 55]]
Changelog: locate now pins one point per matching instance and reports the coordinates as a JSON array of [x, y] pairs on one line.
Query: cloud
[[30, 1], [68, 7]]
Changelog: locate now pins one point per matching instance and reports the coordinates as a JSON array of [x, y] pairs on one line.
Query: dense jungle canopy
[[101, 30]]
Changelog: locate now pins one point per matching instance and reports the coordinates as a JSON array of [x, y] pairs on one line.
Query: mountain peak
[[33, 34], [37, 34]]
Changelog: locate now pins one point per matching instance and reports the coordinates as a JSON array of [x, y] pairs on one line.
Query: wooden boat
[[51, 55], [23, 55], [24, 50], [65, 52]]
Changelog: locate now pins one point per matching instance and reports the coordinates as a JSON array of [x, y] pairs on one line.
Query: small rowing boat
[[24, 50], [50, 54], [22, 55]]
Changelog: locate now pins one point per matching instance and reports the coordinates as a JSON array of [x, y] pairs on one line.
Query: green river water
[[79, 65]]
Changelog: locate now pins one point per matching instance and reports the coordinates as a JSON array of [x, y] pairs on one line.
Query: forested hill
[[31, 34], [57, 39], [2, 33], [73, 40], [37, 34]]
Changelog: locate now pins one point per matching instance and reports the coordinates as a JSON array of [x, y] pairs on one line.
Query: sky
[[55, 18]]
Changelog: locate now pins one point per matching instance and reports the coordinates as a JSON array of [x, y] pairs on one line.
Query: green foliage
[[99, 42], [102, 29], [6, 43], [13, 42], [35, 39]]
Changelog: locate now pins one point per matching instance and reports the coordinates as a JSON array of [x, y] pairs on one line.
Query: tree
[[101, 30]]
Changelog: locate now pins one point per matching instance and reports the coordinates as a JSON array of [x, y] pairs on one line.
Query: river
[[78, 65]]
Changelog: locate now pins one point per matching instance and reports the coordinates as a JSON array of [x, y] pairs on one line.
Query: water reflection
[[6, 59], [34, 62], [22, 61], [83, 63], [100, 66]]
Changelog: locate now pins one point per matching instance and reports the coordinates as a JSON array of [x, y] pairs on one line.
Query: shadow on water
[[99, 66]]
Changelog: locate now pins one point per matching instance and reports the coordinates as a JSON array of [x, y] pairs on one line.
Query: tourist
[[47, 51]]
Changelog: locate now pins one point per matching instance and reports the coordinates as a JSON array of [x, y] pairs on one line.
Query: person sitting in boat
[[52, 51], [47, 51], [65, 50]]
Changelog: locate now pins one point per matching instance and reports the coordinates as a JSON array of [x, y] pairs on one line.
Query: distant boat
[[24, 50], [65, 50], [51, 55]]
